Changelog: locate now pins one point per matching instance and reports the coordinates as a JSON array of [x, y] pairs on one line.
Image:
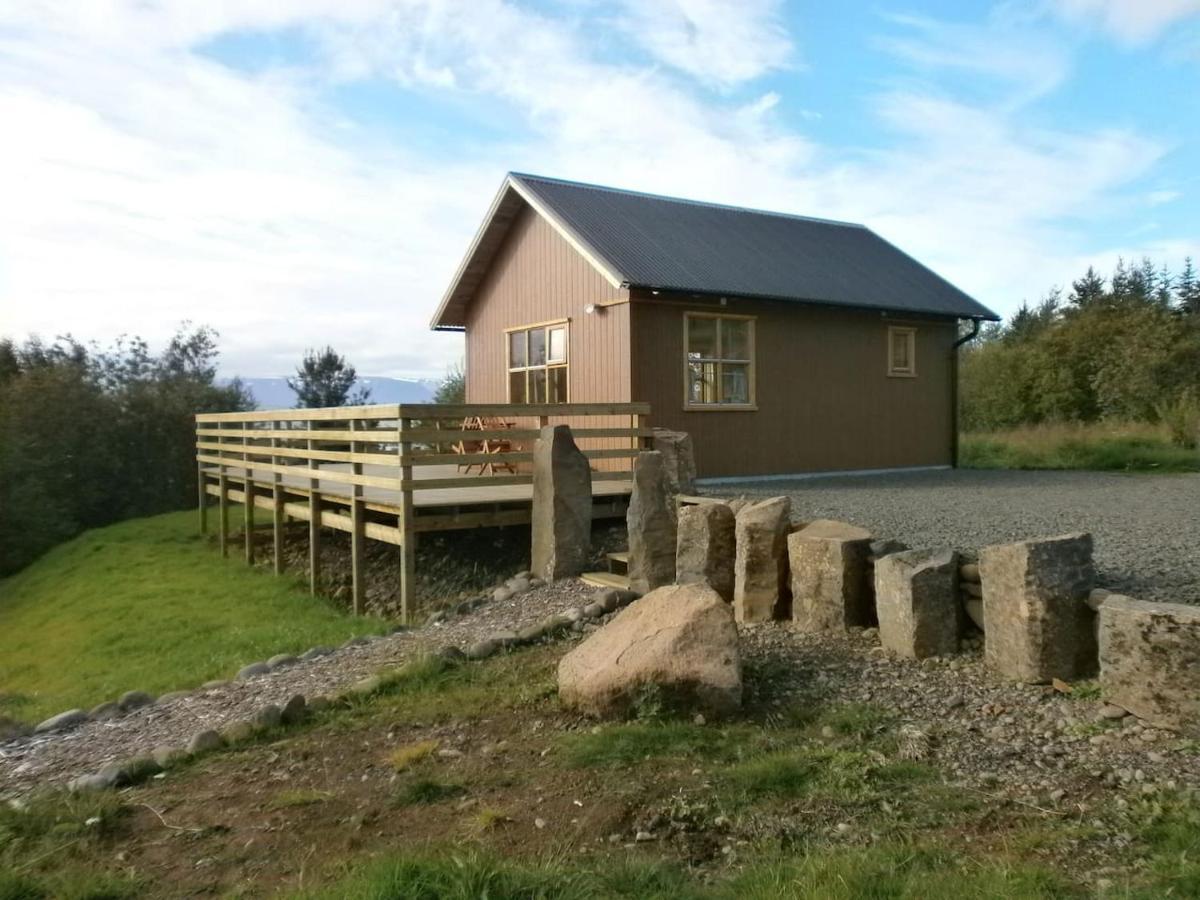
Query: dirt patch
[[839, 747], [451, 566]]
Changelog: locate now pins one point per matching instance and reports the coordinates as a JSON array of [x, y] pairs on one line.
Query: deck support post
[[248, 504], [358, 537], [202, 489], [277, 513], [408, 533], [314, 520]]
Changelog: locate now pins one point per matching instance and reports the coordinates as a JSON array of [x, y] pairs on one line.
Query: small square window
[[902, 352]]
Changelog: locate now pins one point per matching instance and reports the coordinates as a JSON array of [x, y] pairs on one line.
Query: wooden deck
[[388, 500], [389, 472]]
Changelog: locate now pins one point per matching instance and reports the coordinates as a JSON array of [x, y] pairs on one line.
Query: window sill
[[901, 374], [721, 407]]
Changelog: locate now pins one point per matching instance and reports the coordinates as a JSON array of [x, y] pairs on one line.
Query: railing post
[[644, 441], [248, 510], [358, 538], [202, 490], [408, 534], [314, 518], [277, 510]]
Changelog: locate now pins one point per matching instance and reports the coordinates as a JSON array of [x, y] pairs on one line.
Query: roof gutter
[[965, 339]]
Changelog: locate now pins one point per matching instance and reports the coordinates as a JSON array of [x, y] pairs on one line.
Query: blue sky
[[312, 171]]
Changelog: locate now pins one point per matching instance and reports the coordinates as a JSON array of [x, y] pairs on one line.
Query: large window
[[902, 352], [537, 364], [719, 361]]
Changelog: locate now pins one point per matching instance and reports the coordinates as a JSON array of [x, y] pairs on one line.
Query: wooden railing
[[383, 460]]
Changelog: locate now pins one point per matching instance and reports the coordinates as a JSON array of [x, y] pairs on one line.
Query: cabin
[[783, 344]]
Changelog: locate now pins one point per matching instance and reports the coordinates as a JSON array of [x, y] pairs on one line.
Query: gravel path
[[1146, 527], [56, 758]]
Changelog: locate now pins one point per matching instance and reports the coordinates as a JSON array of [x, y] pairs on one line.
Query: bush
[[1181, 417]]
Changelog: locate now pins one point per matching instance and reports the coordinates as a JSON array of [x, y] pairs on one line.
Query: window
[[537, 364], [902, 352], [719, 360]]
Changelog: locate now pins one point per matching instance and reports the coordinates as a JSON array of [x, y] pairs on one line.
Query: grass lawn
[[1122, 447], [150, 605]]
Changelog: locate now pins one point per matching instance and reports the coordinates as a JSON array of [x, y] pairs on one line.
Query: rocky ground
[[55, 758], [1144, 525], [1042, 745]]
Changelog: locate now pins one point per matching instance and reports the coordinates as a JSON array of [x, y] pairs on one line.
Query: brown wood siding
[[825, 401], [537, 276]]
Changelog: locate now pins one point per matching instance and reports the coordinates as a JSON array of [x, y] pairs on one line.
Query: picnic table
[[488, 444]]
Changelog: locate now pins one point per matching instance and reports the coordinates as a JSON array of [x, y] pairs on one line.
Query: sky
[[303, 172]]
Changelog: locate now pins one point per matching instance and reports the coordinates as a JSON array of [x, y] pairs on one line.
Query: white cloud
[[1004, 49], [145, 183], [1130, 21], [715, 41]]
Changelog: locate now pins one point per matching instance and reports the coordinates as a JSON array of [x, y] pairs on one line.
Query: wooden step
[[606, 580], [618, 563]]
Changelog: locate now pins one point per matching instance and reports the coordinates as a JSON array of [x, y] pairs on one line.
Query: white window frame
[[720, 361], [565, 363], [910, 335]]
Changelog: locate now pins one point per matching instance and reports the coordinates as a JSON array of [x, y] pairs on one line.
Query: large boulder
[[679, 460], [760, 566], [830, 584], [916, 597], [679, 641], [1035, 613], [705, 548], [1150, 660], [651, 525], [562, 505]]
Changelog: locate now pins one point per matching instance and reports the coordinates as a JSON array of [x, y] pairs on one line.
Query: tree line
[[89, 436], [1126, 347]]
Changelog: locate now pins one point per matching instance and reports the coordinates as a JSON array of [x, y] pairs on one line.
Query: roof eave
[[809, 301]]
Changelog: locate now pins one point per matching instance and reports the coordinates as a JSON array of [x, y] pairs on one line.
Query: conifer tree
[[324, 378], [1187, 289], [1088, 290]]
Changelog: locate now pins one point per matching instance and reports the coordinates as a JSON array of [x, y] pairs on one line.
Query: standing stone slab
[[562, 505], [829, 566], [1150, 661], [705, 548], [1035, 613], [760, 566], [679, 460], [651, 523], [916, 596]]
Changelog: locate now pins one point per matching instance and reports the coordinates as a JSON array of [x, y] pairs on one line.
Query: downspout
[[965, 339]]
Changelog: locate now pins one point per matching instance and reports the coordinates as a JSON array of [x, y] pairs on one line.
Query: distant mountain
[[273, 393]]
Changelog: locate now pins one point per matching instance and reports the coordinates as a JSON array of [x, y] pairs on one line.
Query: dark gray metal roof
[[665, 243]]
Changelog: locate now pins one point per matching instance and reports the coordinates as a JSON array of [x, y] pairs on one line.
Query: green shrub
[[1181, 416]]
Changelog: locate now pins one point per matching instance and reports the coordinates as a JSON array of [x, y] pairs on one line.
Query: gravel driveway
[[1146, 527]]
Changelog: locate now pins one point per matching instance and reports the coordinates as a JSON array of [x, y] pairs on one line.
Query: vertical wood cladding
[[537, 277], [824, 398], [825, 401]]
